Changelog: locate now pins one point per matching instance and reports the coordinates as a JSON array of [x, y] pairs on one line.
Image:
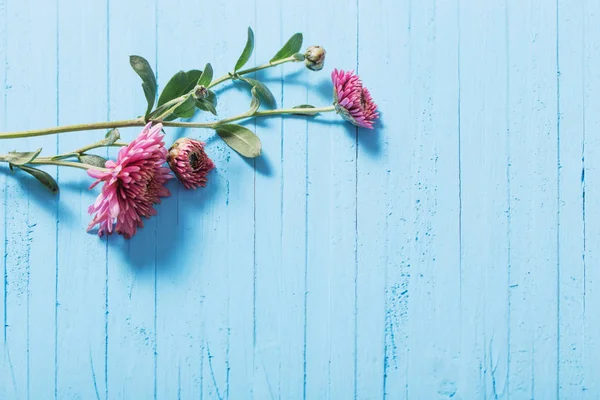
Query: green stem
[[306, 111], [80, 151], [47, 161], [97, 145], [266, 113], [73, 128], [251, 70], [141, 122]]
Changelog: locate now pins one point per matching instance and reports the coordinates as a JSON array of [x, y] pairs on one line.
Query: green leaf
[[306, 106], [186, 109], [43, 177], [63, 156], [18, 158], [206, 77], [143, 69], [180, 84], [290, 48], [262, 91], [240, 139], [206, 105], [209, 103], [92, 159], [111, 137], [247, 51], [255, 103]]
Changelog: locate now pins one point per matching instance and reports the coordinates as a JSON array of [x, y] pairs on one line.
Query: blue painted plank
[[571, 201], [378, 304], [82, 258], [30, 215], [590, 184], [5, 374], [294, 199], [393, 142], [484, 201], [130, 322], [268, 209], [437, 199], [532, 77], [331, 264], [194, 344], [232, 342], [180, 342], [434, 247]]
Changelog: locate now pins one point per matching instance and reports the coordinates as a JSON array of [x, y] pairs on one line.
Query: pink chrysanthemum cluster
[[132, 184], [353, 101], [189, 162]]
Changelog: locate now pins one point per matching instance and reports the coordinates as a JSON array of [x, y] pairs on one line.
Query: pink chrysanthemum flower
[[132, 184], [353, 101], [189, 162]]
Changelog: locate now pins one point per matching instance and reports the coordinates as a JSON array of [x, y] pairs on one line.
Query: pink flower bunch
[[353, 101], [132, 184]]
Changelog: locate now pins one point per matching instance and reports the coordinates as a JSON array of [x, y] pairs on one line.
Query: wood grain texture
[[449, 253]]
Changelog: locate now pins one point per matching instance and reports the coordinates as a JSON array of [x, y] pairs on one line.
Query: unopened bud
[[201, 92], [314, 58], [189, 162]]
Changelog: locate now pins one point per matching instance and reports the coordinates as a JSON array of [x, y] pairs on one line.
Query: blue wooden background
[[451, 253]]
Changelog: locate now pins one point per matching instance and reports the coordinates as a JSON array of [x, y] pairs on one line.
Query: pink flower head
[[189, 162], [353, 101], [132, 184]]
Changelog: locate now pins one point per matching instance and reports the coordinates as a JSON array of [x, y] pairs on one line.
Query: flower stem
[[73, 128], [97, 145], [304, 111], [47, 161], [251, 70], [141, 122], [266, 113]]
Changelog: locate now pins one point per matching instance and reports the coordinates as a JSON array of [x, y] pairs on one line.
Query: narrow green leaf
[[240, 139], [143, 69], [43, 177], [262, 91], [245, 56], [186, 109], [206, 105], [112, 136], [306, 106], [21, 158], [255, 103], [206, 77], [292, 47], [63, 156], [209, 103], [92, 159], [180, 84], [212, 98]]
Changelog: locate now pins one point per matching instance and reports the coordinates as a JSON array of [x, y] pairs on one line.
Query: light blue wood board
[[449, 253]]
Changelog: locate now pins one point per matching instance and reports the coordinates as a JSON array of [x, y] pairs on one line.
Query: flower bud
[[200, 92], [189, 162], [314, 58]]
